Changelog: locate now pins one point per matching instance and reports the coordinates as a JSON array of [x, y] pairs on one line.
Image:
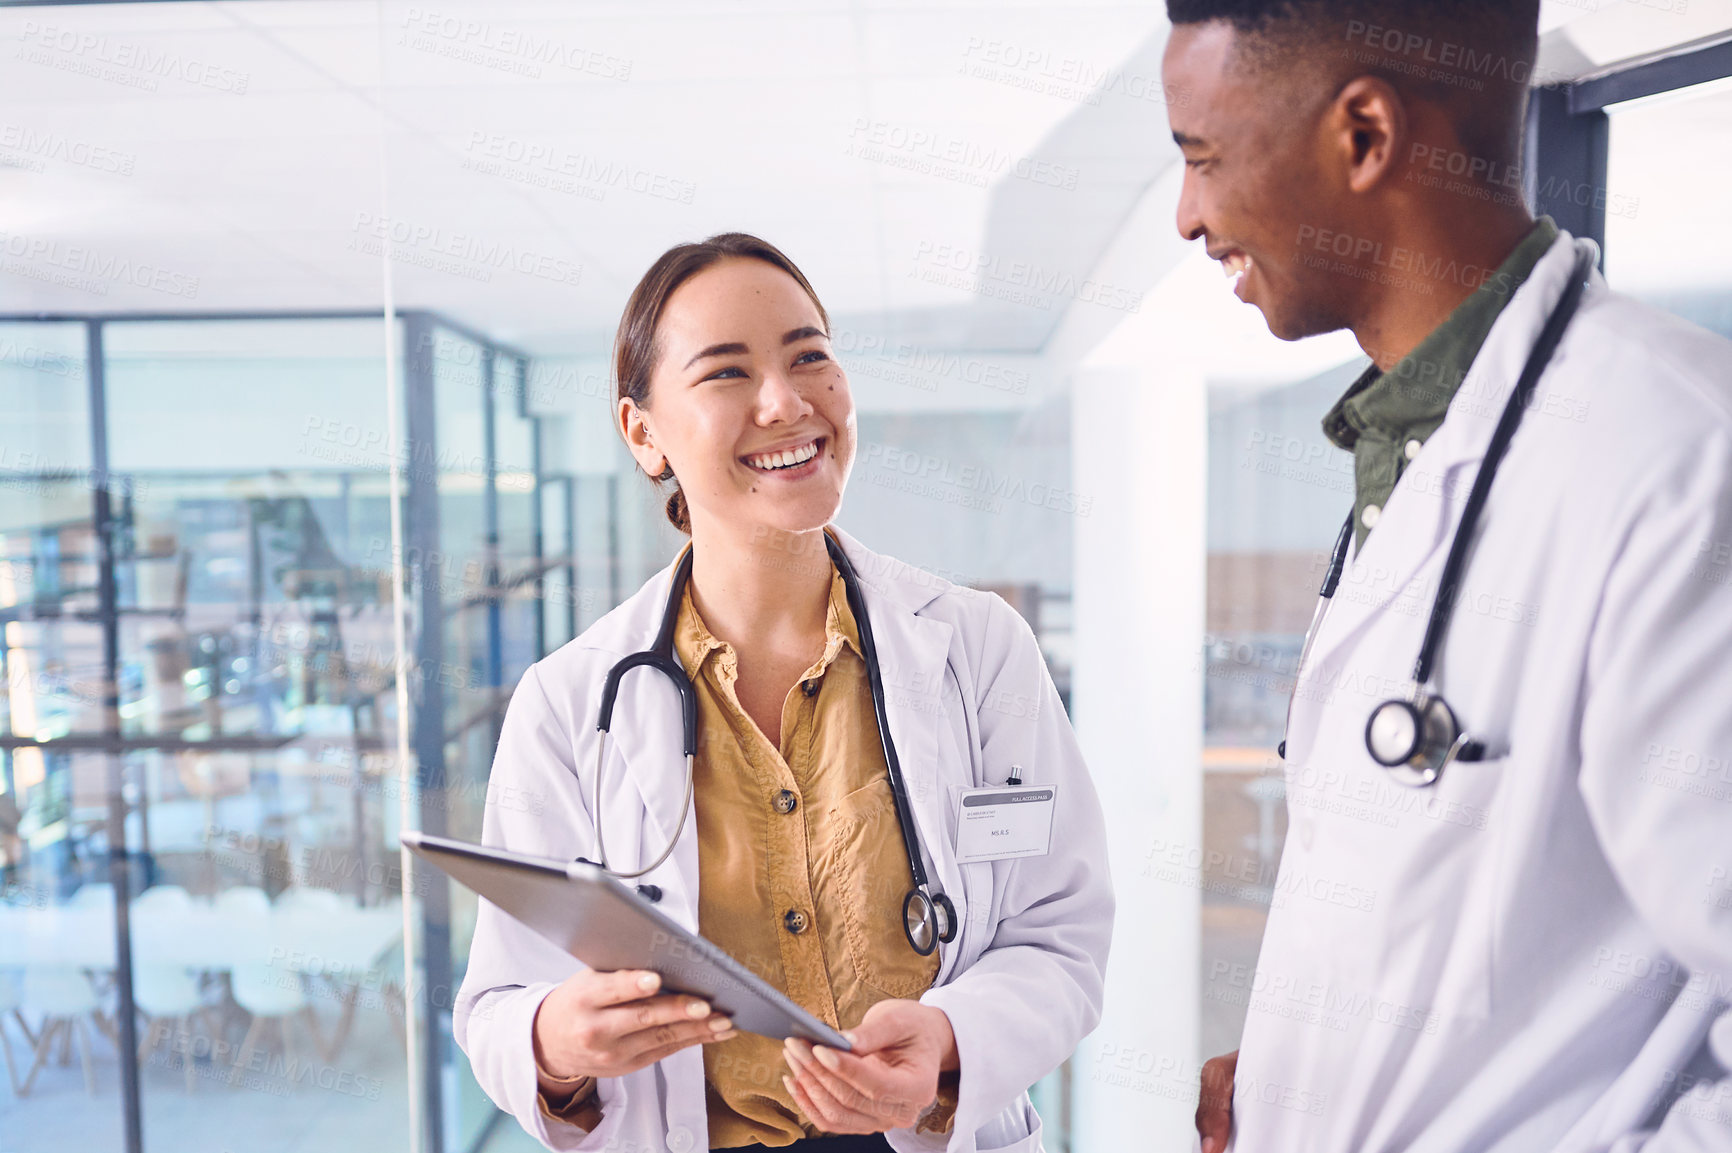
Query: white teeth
[[1234, 263], [785, 459]]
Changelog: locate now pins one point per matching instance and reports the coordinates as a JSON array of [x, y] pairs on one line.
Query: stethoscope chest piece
[[928, 919], [1413, 739]]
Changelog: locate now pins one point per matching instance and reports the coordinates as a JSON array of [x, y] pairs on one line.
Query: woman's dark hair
[[635, 349]]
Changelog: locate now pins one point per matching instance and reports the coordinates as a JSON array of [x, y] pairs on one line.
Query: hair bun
[[676, 510]]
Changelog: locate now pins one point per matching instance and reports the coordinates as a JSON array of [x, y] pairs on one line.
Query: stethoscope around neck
[[928, 917], [1417, 736]]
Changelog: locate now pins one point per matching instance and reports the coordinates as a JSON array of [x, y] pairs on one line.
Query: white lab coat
[[968, 696], [1535, 955]]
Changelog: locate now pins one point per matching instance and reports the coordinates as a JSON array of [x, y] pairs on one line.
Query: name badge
[[999, 823]]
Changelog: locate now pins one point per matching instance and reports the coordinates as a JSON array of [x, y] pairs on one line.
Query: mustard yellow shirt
[[802, 869], [801, 862]]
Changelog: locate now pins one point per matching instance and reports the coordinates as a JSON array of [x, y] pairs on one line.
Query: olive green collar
[[1409, 401], [1385, 418]]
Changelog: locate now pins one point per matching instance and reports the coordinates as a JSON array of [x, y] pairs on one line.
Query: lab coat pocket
[[872, 867], [1440, 915], [1029, 1144], [616, 1121]]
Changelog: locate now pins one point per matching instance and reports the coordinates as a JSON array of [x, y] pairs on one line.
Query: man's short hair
[[1475, 56], [1509, 25]]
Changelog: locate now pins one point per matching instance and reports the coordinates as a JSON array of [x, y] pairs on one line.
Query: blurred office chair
[[170, 1001], [272, 995], [11, 998], [93, 895], [166, 996], [243, 902], [393, 991], [64, 997], [304, 899], [162, 899]]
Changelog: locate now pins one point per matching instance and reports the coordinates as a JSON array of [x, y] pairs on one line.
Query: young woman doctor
[[794, 857]]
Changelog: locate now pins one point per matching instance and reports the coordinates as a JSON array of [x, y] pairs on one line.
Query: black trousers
[[850, 1143]]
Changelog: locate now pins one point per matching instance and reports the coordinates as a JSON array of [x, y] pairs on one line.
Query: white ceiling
[[1585, 36], [885, 145], [722, 114]]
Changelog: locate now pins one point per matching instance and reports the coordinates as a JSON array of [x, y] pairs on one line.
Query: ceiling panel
[[525, 161]]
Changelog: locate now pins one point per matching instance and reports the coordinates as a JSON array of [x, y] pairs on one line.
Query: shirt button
[[679, 1139], [1412, 449], [786, 802], [1370, 515], [811, 687], [795, 921]]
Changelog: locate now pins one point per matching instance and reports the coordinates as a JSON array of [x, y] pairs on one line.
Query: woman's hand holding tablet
[[886, 1082], [610, 1024]]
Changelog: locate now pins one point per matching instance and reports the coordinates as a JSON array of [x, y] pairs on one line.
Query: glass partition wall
[[199, 726]]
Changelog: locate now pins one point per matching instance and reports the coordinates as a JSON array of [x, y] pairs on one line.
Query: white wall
[[1140, 431]]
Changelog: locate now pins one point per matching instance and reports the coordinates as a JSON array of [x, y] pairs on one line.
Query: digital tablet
[[608, 927]]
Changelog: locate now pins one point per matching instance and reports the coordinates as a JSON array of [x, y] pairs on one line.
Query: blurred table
[[341, 947], [330, 943]]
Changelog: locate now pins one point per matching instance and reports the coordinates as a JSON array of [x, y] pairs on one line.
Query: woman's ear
[[634, 428]]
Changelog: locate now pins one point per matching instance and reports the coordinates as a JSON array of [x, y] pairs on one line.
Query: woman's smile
[[795, 462]]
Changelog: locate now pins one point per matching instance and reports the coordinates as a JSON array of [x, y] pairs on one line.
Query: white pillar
[[1139, 445]]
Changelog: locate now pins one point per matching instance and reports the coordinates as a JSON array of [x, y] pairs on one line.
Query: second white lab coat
[[968, 696], [1535, 955]]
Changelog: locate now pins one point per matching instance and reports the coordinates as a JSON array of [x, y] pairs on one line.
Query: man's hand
[[1215, 1102], [889, 1079], [610, 1024]]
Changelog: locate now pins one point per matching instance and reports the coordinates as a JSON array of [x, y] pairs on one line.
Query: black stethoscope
[[1417, 736], [927, 917]]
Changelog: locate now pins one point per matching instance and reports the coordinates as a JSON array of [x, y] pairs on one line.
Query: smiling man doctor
[[1547, 961]]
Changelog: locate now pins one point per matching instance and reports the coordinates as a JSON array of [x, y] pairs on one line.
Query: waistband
[[847, 1143]]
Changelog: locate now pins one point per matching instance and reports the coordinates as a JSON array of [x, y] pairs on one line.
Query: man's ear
[[638, 438], [1367, 125]]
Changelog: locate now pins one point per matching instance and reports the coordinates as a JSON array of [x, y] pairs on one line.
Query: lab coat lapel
[[1403, 558], [1413, 532], [919, 696]]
